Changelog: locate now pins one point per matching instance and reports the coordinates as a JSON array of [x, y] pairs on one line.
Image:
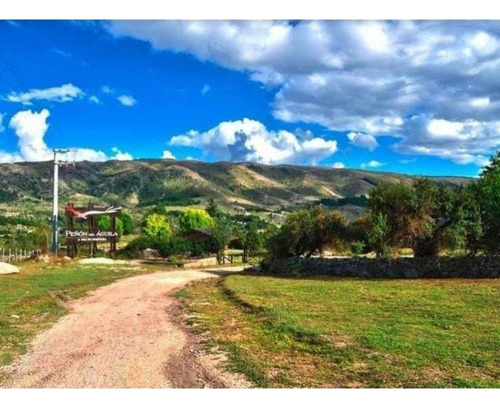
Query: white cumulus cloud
[[250, 140], [119, 155], [94, 99], [363, 140], [462, 142], [167, 154], [31, 127], [338, 165], [363, 77], [63, 93], [372, 164], [126, 100]]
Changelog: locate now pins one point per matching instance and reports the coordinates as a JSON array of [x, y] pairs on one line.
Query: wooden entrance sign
[[91, 235]]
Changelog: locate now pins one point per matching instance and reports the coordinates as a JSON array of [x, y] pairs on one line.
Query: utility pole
[[55, 200]]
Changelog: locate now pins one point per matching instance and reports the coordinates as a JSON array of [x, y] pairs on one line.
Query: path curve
[[124, 335]]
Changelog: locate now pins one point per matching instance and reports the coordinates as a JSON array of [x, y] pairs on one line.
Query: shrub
[[194, 218], [357, 247], [307, 231], [135, 247], [128, 223], [157, 226]]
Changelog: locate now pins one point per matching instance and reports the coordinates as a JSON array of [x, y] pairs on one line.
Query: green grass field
[[33, 299], [353, 333]]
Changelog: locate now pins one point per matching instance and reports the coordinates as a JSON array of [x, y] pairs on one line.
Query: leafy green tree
[[157, 226], [213, 209], [425, 217], [357, 231], [222, 231], [249, 237], [194, 218], [159, 209], [128, 223], [396, 204], [307, 231], [487, 194], [253, 240], [377, 234], [330, 230]]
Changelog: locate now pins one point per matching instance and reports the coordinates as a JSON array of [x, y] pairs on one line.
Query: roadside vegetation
[[34, 299], [166, 231], [427, 218], [283, 332]]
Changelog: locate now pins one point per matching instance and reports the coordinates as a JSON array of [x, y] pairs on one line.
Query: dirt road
[[124, 335]]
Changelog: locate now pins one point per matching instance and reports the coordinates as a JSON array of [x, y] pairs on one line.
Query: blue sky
[[418, 98]]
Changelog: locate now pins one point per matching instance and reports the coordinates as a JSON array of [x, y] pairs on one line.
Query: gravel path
[[125, 335]]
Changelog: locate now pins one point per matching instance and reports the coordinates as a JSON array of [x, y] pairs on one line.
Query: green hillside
[[238, 187]]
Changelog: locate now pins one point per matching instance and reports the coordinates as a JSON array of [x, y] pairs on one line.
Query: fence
[[17, 254], [251, 258]]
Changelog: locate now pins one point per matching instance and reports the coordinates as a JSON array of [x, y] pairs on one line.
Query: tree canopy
[[195, 218], [157, 226]]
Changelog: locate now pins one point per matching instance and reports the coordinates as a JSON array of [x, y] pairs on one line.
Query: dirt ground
[[125, 335]]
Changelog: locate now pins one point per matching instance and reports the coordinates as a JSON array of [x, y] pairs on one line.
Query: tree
[[194, 218], [357, 232], [157, 226], [307, 231], [250, 238], [128, 223], [487, 194], [222, 231], [330, 230], [396, 203], [213, 209], [425, 217], [377, 234]]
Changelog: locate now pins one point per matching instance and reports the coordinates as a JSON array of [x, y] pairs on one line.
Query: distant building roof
[[197, 234]]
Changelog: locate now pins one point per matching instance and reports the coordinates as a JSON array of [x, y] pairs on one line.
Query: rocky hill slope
[[236, 186]]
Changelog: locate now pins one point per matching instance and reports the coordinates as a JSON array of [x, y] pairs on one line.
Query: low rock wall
[[464, 267]]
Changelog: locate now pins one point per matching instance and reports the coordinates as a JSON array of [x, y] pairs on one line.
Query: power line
[[13, 70], [10, 86], [23, 85]]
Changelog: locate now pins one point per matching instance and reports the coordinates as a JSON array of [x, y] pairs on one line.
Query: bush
[[157, 226], [175, 246], [135, 247], [194, 218], [307, 231], [178, 246], [127, 222], [357, 248]]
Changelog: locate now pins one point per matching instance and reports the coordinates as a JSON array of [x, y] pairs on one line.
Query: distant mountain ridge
[[240, 186]]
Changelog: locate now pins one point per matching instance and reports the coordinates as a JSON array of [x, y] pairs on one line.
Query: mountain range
[[238, 187]]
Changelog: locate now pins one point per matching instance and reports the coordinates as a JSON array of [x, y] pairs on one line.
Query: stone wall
[[466, 267]]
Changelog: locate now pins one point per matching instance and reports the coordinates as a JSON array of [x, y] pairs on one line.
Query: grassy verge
[[353, 333], [32, 300]]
